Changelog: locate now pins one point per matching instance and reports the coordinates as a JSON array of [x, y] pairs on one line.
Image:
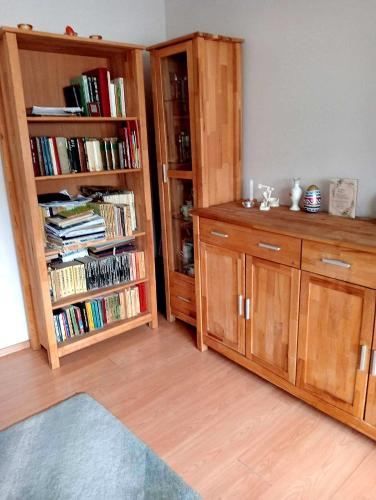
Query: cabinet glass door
[[181, 200], [176, 69], [176, 110]]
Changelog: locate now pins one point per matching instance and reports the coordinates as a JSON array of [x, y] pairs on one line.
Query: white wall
[[140, 21], [309, 86]]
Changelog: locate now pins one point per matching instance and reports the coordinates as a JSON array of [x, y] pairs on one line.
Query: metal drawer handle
[[164, 172], [268, 246], [373, 366], [248, 308], [184, 299], [240, 305], [363, 356], [221, 235], [336, 262]]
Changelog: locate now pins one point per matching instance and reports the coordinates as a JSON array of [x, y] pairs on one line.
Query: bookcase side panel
[[18, 234], [26, 196], [131, 68], [138, 77]]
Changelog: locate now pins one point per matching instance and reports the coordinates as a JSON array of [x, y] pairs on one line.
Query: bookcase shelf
[[87, 174], [92, 294], [34, 69], [79, 119], [137, 234], [111, 330]]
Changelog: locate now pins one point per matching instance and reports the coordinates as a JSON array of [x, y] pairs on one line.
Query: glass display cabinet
[[197, 108]]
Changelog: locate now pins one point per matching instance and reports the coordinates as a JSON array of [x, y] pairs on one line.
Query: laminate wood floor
[[228, 433]]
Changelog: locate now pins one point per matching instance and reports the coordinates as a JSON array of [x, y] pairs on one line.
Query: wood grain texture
[[213, 65], [35, 68], [336, 319], [362, 270], [193, 36], [272, 330], [370, 412], [228, 433], [357, 234], [222, 286], [286, 250]]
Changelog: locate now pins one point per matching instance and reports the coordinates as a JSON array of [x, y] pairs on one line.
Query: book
[[53, 111], [62, 150], [102, 84], [72, 96], [81, 81]]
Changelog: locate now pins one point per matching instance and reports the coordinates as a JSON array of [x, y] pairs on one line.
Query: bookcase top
[[196, 34], [53, 42]]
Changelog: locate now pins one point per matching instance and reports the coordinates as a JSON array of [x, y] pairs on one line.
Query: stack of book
[[123, 198], [91, 315], [97, 93], [94, 272], [63, 155], [72, 228], [117, 218]]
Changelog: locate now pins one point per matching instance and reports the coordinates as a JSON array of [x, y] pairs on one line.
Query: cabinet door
[[335, 335], [370, 414], [222, 285], [272, 306]]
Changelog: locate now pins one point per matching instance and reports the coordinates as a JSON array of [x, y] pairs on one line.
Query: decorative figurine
[[266, 196], [295, 195], [70, 31], [25, 26], [312, 199]]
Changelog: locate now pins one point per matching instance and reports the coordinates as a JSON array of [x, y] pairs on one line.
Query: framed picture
[[342, 197]]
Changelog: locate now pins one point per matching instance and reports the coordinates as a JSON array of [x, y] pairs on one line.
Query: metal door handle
[[336, 262], [363, 355], [221, 235], [184, 299], [164, 172], [373, 366], [240, 305], [268, 246], [247, 308]]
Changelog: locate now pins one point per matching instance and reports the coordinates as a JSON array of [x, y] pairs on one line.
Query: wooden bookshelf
[[35, 67]]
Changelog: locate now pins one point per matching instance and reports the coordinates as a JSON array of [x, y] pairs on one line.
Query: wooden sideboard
[[291, 296]]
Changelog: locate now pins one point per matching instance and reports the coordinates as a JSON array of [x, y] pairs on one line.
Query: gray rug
[[78, 450]]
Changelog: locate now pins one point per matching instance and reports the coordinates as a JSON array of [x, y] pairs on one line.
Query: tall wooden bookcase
[[35, 67], [197, 95]]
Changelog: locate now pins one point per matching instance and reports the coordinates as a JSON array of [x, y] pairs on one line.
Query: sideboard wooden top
[[359, 234]]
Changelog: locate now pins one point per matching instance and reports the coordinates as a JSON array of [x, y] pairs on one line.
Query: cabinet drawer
[[340, 263], [269, 246], [183, 297]]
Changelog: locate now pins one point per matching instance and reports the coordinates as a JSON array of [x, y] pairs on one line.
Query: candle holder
[[248, 203]]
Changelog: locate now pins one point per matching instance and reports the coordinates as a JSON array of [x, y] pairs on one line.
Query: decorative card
[[342, 197]]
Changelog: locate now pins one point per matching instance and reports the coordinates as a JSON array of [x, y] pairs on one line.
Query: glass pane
[[176, 109], [181, 195]]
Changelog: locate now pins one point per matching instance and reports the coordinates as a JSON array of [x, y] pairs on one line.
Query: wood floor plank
[[230, 434]]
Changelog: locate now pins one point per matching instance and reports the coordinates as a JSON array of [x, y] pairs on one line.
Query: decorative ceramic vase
[[312, 199], [295, 195]]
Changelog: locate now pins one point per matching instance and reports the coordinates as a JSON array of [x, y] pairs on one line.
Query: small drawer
[[183, 297], [270, 246], [340, 263]]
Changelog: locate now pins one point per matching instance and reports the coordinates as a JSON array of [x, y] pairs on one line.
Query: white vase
[[295, 195]]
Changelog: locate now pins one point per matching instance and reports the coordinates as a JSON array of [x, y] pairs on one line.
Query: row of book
[[92, 272], [62, 155], [97, 94], [90, 315], [96, 221]]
